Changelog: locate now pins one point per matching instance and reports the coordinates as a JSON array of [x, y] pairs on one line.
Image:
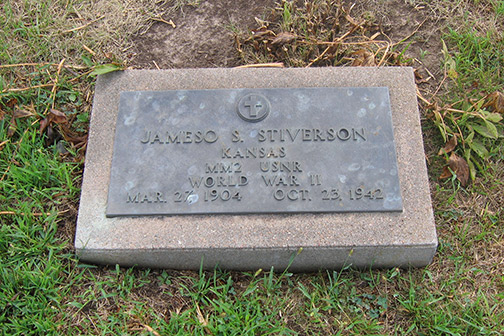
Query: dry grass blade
[[27, 88], [76, 67], [83, 26], [2, 213], [317, 34], [201, 318], [170, 22], [411, 34], [89, 50], [318, 58], [3, 143], [262, 65], [149, 329]]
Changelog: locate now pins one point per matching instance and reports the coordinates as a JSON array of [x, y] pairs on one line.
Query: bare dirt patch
[[417, 30], [203, 35]]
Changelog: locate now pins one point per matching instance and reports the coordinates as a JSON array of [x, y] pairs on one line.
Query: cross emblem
[[253, 107]]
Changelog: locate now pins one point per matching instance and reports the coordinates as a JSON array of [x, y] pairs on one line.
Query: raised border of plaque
[[263, 239]]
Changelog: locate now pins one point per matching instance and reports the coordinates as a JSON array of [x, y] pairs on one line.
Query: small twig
[[3, 144], [76, 67], [89, 50], [449, 109], [84, 26], [81, 75], [319, 57], [430, 74], [445, 75], [171, 23], [262, 65], [157, 67], [55, 85], [149, 329], [345, 43], [23, 214], [410, 35], [384, 54], [27, 88], [426, 70], [21, 64], [419, 95], [374, 36]]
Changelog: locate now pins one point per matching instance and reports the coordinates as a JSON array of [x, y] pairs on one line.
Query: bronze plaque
[[249, 151]]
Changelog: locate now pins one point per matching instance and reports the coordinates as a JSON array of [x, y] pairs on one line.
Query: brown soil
[[203, 35], [202, 38], [416, 29]]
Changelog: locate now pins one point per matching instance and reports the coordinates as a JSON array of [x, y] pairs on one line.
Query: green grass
[[479, 58], [473, 63], [45, 291]]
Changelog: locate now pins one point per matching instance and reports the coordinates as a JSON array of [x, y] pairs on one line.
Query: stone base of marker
[[259, 240]]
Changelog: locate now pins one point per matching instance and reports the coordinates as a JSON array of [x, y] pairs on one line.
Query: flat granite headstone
[[243, 168]]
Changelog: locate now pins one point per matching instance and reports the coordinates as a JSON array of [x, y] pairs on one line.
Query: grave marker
[[191, 165]]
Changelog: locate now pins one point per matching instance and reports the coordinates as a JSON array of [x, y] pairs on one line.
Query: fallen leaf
[[460, 167], [449, 146], [446, 173], [488, 130], [58, 117], [496, 101], [43, 125], [11, 102], [260, 35], [363, 58], [76, 140], [283, 38], [54, 116], [105, 68], [22, 113], [12, 127]]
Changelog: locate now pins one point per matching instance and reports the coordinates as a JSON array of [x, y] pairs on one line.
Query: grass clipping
[[316, 33]]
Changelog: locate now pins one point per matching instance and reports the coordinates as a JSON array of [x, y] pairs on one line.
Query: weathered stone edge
[[306, 259]]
